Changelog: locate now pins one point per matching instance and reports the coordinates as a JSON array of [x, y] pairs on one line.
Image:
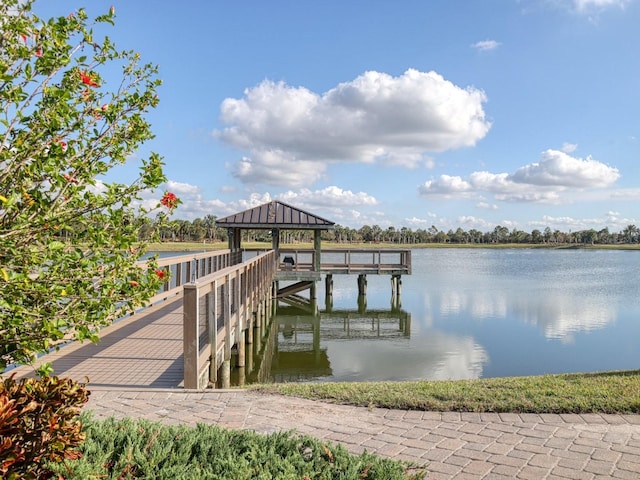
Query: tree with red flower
[[52, 157], [170, 200], [87, 80]]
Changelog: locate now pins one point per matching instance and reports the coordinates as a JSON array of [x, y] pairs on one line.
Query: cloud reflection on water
[[558, 315], [439, 357]]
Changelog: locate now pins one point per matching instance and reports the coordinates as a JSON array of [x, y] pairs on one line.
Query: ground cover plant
[[140, 449]]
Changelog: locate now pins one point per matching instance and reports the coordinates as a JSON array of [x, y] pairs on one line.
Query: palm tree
[[209, 223], [630, 234]]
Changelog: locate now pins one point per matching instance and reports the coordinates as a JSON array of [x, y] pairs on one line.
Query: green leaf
[[56, 245]]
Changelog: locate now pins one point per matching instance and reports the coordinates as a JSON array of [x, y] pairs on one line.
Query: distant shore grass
[[602, 392], [202, 246]]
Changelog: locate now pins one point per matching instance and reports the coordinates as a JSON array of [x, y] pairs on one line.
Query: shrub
[[126, 449], [39, 424]]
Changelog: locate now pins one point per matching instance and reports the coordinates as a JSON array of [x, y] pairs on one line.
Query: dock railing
[[218, 308], [348, 261], [182, 269]]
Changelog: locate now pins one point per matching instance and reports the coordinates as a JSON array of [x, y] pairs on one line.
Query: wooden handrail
[[217, 308], [182, 269], [349, 261]]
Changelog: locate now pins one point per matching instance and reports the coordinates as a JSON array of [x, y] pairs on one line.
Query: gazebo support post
[[317, 246], [235, 244], [275, 243]]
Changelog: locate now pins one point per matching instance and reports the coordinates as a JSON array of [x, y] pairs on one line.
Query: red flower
[[87, 80], [39, 52], [24, 37], [169, 200], [161, 274], [69, 178]]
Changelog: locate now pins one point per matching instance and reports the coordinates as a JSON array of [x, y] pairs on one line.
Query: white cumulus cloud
[[560, 169], [540, 182], [291, 133], [569, 147], [330, 202], [329, 197], [486, 45], [446, 185], [182, 188]]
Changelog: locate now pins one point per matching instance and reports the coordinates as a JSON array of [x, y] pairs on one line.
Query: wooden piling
[[250, 326], [328, 284], [240, 341], [225, 373], [362, 284]]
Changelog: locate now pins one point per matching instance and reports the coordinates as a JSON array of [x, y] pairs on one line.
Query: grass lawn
[[604, 392]]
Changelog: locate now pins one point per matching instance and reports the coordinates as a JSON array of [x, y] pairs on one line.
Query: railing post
[[239, 300], [212, 321], [226, 361], [190, 336]]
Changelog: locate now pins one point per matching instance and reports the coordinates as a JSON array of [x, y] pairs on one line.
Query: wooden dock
[[210, 307]]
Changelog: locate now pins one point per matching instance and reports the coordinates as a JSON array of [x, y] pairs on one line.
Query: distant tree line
[[206, 230]]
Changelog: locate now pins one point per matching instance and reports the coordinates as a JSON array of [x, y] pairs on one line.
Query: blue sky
[[453, 113]]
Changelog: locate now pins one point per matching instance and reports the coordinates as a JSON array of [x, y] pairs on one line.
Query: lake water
[[473, 313]]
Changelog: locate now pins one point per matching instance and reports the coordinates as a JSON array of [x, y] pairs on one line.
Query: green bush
[[140, 449], [38, 424]]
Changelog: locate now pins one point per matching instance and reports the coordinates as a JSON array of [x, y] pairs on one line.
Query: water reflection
[[308, 345], [439, 356], [356, 345], [468, 314], [558, 315]]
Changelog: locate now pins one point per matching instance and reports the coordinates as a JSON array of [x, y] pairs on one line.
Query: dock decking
[[140, 351]]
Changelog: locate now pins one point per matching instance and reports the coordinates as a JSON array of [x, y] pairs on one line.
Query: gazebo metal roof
[[276, 214]]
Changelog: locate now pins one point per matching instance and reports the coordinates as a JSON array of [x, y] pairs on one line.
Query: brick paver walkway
[[136, 371], [447, 445]]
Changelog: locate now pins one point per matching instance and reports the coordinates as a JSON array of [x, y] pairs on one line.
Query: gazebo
[[274, 216]]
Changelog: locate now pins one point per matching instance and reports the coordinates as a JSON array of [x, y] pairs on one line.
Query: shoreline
[[205, 246]]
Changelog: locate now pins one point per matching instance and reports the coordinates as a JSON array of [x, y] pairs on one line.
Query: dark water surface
[[475, 313]]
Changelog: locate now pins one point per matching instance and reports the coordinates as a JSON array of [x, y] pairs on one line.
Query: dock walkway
[[137, 368], [140, 351]]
